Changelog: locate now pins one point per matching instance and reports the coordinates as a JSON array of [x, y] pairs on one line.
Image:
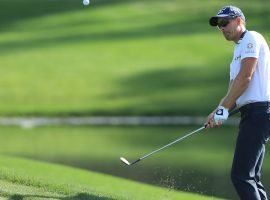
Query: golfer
[[249, 90]]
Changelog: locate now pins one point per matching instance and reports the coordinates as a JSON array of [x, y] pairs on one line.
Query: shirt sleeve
[[251, 47]]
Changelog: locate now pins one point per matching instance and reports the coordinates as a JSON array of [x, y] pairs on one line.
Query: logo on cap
[[222, 11]]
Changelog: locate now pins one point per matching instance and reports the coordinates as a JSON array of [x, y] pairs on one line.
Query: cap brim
[[213, 21]]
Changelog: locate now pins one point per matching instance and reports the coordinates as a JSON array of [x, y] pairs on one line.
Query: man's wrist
[[223, 107], [227, 103]]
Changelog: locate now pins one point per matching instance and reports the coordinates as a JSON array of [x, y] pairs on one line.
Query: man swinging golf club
[[249, 90]]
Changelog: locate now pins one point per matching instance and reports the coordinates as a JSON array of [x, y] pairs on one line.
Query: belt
[[255, 106]]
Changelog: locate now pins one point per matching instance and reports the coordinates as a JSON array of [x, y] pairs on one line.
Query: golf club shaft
[[173, 142], [232, 112]]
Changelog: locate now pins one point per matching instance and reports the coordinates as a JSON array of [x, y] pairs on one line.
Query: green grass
[[27, 179], [115, 57], [199, 164]]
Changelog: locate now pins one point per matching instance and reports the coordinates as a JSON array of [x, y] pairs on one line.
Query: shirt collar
[[241, 37]]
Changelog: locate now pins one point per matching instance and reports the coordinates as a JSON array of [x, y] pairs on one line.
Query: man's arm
[[240, 83], [229, 88], [236, 87], [210, 119]]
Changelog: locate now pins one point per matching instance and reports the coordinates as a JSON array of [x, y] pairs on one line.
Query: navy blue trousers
[[254, 131]]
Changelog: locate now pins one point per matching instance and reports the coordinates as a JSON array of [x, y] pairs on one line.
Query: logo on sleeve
[[250, 48], [249, 45]]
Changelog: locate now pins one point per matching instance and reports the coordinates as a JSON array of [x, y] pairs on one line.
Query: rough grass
[[198, 164], [27, 179]]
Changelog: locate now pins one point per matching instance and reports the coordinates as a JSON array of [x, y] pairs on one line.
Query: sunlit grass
[[21, 178], [104, 59]]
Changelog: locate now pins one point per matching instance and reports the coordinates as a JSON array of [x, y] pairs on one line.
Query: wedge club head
[[127, 162]]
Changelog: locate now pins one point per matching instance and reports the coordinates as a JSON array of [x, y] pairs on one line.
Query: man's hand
[[221, 115], [209, 123]]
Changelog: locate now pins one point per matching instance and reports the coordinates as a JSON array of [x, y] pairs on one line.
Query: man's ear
[[238, 20]]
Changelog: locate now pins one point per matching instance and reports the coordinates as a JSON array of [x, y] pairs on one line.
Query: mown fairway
[[115, 57]]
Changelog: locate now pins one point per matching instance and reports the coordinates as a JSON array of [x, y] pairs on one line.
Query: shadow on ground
[[160, 91], [195, 24], [17, 10], [79, 196], [180, 27]]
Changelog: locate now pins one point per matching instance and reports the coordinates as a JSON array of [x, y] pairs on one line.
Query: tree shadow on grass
[[79, 196], [194, 24], [18, 10], [170, 90], [10, 14], [178, 27], [173, 90]]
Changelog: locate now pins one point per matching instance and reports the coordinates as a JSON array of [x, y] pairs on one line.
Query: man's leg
[[243, 171], [258, 169], [249, 152]]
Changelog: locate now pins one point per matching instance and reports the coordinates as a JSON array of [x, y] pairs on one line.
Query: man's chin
[[227, 38]]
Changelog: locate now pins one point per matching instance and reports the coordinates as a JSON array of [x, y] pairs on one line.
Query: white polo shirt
[[253, 45]]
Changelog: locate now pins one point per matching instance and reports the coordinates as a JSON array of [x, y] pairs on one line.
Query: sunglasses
[[223, 22]]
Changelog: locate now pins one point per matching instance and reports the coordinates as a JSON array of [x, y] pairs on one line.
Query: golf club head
[[124, 161], [127, 162]]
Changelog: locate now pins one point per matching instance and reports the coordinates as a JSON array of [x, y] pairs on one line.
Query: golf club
[[157, 150], [125, 161]]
